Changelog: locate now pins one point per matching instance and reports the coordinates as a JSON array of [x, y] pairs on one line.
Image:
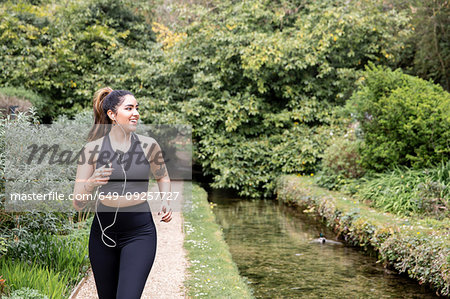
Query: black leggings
[[121, 271]]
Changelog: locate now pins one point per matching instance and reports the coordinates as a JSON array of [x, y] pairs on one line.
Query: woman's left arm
[[166, 194], [160, 173]]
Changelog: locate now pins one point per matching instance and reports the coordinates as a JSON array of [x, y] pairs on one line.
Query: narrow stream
[[270, 243]]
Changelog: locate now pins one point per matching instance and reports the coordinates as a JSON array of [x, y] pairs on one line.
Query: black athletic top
[[133, 162]]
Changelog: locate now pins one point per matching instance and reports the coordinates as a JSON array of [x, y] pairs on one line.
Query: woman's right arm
[[84, 172], [88, 178]]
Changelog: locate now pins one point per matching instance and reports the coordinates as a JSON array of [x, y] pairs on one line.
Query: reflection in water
[[271, 245]]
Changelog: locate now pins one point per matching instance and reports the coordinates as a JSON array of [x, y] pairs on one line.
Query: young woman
[[117, 163]]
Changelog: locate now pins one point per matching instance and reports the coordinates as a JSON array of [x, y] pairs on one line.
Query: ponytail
[[105, 99]]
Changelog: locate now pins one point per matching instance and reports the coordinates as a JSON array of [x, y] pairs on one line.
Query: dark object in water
[[323, 240]]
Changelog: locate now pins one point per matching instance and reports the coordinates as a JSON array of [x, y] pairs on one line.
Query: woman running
[[116, 168]]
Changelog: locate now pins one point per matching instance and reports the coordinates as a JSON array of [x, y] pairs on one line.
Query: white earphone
[[117, 209]]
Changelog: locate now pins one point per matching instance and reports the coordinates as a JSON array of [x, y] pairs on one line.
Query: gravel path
[[169, 269]]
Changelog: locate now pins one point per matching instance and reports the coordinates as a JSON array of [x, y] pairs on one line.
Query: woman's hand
[[167, 210], [99, 177]]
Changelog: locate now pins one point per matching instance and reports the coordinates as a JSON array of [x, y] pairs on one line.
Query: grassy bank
[[212, 272], [419, 247], [45, 265]]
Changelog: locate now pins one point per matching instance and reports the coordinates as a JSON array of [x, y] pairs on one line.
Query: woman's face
[[127, 114]]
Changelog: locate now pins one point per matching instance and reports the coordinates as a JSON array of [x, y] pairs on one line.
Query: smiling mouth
[[134, 121]]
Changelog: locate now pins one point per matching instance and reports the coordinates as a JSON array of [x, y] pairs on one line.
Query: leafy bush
[[342, 157], [23, 293], [61, 132], [341, 161], [404, 119], [422, 256], [32, 236]]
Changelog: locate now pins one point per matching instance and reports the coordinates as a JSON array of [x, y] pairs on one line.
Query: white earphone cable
[[117, 209]]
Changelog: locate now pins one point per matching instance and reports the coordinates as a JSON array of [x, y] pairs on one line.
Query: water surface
[[270, 243]]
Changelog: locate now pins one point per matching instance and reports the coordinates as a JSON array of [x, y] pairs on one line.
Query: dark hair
[[105, 99]]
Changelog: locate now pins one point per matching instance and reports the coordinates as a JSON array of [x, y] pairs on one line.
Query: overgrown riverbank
[[418, 247], [212, 272]]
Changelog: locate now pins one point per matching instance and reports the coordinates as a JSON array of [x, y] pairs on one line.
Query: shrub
[[64, 132], [340, 163], [34, 238], [25, 292], [342, 158], [423, 256], [404, 119]]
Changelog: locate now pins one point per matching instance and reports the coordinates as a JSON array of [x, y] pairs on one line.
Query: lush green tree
[[258, 81], [64, 51], [427, 53]]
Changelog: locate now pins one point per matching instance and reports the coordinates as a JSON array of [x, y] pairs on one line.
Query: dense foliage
[[64, 51], [427, 53], [342, 158], [41, 250], [404, 120], [258, 82]]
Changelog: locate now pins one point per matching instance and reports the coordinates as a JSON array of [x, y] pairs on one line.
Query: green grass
[[406, 191], [19, 274], [402, 191], [212, 272]]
